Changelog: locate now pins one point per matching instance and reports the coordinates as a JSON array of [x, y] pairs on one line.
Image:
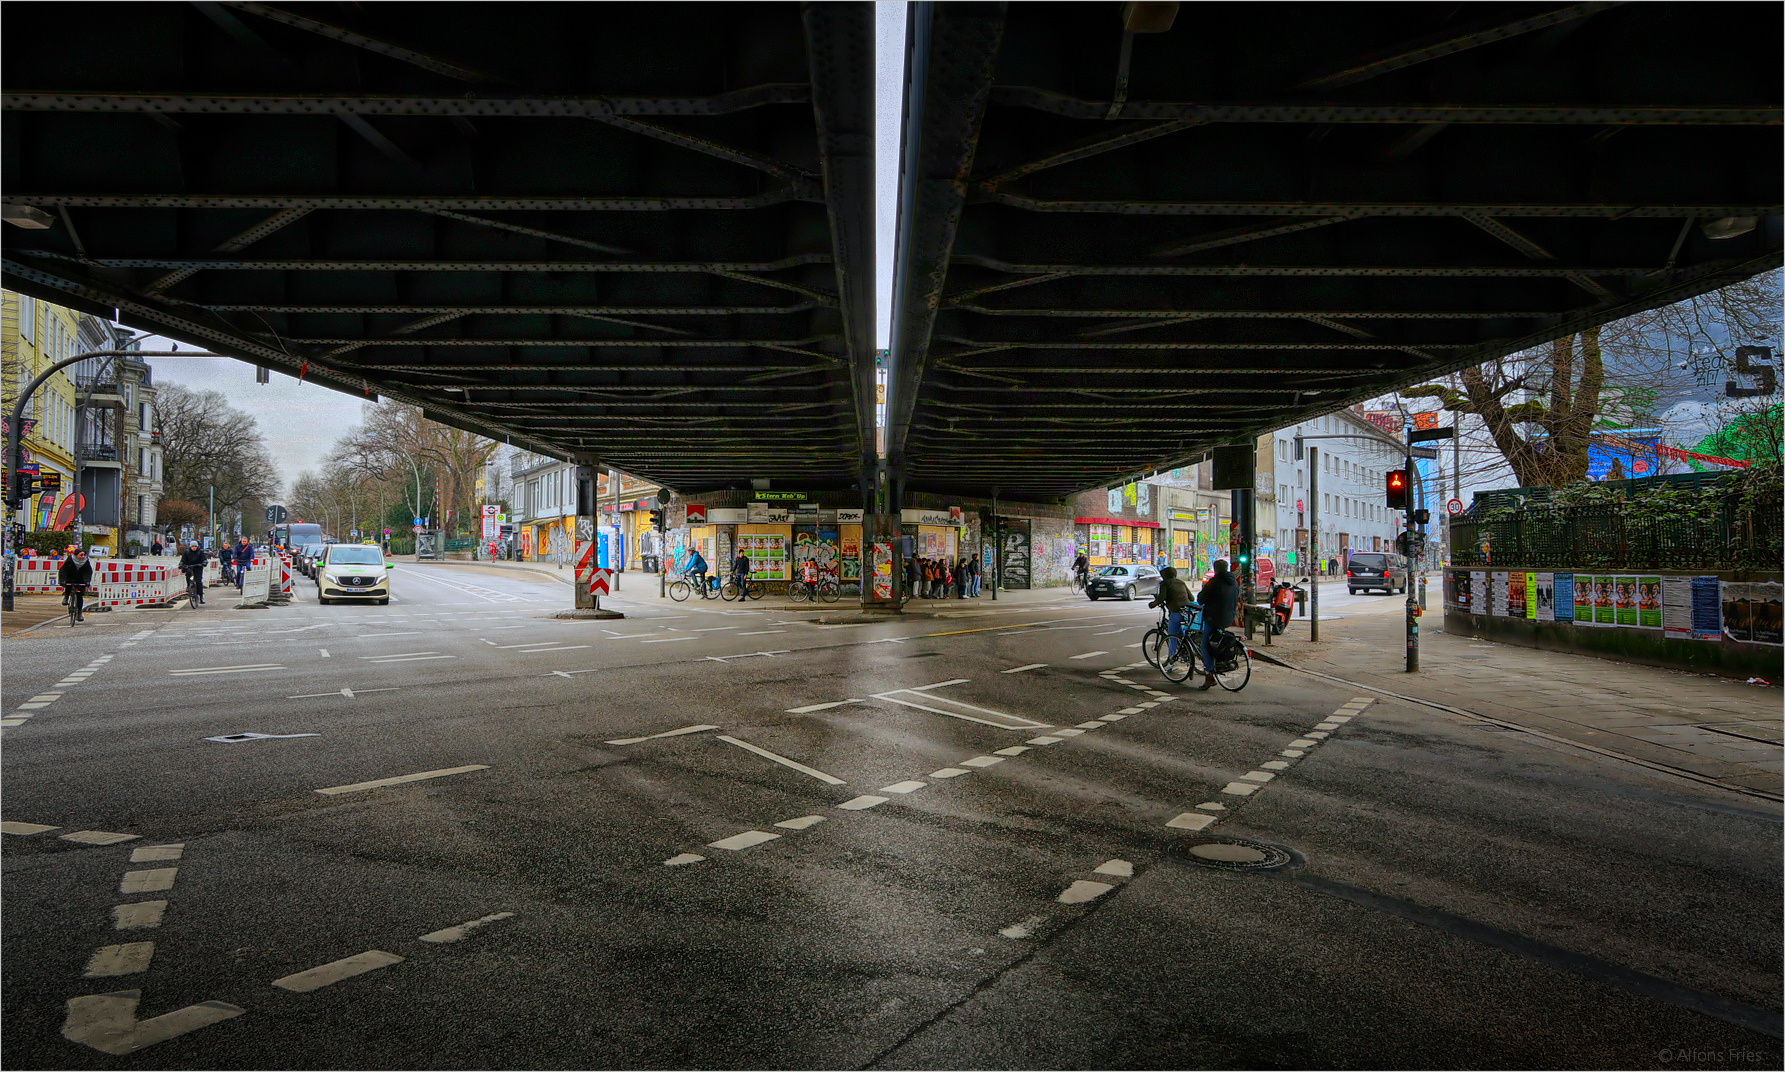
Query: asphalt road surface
[[720, 836]]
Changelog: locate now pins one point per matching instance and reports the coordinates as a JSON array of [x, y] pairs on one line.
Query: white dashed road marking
[[333, 972], [358, 787], [458, 933], [783, 760], [665, 733]]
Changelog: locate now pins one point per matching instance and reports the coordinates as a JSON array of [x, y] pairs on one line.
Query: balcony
[[99, 390], [98, 452]]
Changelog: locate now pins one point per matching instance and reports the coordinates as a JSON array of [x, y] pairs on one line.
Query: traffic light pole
[[1412, 609]]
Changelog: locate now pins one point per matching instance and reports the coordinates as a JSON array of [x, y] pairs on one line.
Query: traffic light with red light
[[1397, 489]]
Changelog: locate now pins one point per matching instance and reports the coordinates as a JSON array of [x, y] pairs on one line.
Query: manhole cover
[[1233, 854]]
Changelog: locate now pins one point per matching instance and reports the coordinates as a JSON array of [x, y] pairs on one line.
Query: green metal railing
[[1621, 535]]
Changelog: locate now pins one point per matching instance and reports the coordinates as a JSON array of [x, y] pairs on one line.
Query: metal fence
[[1621, 535]]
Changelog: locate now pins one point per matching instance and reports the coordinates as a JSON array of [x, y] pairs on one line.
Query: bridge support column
[[585, 537]]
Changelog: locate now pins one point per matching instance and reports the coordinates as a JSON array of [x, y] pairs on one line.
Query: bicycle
[[195, 592], [800, 591], [75, 594], [1150, 641], [1178, 667], [1078, 580], [750, 589], [683, 586], [829, 588], [1233, 663]]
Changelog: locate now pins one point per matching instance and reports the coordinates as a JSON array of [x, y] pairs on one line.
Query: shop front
[[1118, 542], [1183, 539]]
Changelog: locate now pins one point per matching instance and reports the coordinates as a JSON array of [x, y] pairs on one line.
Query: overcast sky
[[300, 421]]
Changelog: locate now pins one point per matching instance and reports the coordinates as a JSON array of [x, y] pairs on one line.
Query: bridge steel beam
[[1137, 246]]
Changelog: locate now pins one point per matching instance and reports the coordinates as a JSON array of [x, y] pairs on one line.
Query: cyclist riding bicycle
[[697, 572], [192, 564], [1081, 568], [1220, 599], [1174, 596], [75, 574]]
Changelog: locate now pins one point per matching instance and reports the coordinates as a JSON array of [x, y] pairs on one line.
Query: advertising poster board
[[1765, 607], [1496, 593], [1564, 599], [1456, 590], [1676, 608], [1516, 600], [1479, 603], [1626, 601], [883, 565], [1707, 608], [1605, 600], [1542, 604], [1736, 624], [1583, 599], [1648, 602]]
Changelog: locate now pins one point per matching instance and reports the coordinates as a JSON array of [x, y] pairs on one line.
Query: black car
[[1123, 582], [1376, 569]]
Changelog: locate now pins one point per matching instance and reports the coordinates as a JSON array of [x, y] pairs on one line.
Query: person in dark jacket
[[74, 575], [1220, 598], [156, 548], [192, 564], [1174, 596], [244, 557]]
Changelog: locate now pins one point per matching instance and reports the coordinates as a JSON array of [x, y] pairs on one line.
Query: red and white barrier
[[115, 583]]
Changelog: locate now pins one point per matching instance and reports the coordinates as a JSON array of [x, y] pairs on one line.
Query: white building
[[1353, 510]]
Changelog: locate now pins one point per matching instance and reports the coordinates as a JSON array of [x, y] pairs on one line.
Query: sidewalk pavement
[[1719, 729], [639, 587], [30, 611]]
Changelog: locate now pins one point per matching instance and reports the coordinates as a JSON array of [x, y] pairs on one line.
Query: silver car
[[1123, 582]]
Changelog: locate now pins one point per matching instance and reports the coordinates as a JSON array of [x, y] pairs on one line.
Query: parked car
[[1123, 582], [352, 571], [1376, 569], [312, 555]]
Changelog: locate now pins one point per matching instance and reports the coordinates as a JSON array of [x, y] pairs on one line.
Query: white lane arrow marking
[[108, 1023]]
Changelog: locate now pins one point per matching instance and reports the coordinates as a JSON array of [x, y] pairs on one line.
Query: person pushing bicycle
[[1174, 596]]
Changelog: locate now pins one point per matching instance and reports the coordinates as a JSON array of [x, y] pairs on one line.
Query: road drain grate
[[1232, 854]]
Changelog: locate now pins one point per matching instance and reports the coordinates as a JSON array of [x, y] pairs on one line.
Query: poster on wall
[[1625, 594], [1676, 608], [1765, 607], [1604, 600], [1583, 599], [1016, 558], [1564, 597], [1707, 609], [1516, 595], [1736, 622], [1499, 594], [1648, 602], [1479, 603], [1456, 590], [883, 560], [1542, 606], [849, 551]]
